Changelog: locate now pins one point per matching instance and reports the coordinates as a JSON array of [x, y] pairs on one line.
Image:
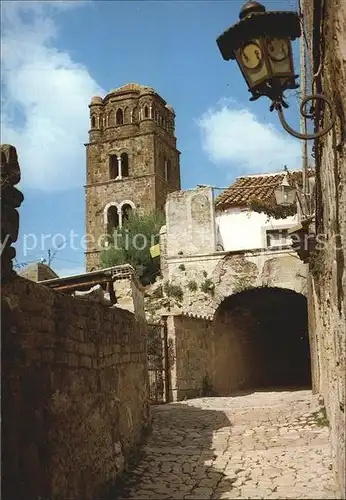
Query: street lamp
[[285, 195], [261, 44]]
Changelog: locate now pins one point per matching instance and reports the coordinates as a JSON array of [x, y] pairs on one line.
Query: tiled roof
[[259, 186]]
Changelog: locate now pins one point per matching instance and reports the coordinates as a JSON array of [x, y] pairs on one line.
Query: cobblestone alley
[[259, 445]]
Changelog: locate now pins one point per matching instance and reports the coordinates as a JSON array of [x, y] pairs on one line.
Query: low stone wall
[[190, 340], [74, 396], [210, 358]]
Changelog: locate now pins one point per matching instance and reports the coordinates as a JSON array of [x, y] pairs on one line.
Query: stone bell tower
[[132, 160]]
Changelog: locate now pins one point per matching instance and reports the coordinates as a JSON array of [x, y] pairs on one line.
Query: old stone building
[[132, 160], [37, 271], [207, 272]]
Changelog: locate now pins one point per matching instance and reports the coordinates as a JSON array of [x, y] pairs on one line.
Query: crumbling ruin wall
[[11, 199], [190, 222]]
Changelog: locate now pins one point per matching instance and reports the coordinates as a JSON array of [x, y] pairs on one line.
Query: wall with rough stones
[[75, 393], [210, 358], [130, 296], [205, 280], [325, 24], [190, 340]]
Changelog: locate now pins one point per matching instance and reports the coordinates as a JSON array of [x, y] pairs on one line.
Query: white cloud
[[235, 138], [45, 97]]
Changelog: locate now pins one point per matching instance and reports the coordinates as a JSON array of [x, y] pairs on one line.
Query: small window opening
[[126, 211], [119, 117], [124, 165], [113, 167], [278, 238], [112, 219]]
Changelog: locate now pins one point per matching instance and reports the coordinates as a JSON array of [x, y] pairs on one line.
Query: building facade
[[215, 248], [241, 228], [132, 161]]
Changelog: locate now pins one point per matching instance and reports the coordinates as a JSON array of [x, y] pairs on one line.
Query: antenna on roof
[[52, 255]]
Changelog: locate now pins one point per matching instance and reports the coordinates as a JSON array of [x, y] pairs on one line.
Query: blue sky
[[57, 55]]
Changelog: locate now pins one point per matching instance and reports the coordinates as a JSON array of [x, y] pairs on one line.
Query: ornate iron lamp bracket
[[279, 103]]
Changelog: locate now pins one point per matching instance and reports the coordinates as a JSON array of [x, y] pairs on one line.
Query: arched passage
[[261, 341]]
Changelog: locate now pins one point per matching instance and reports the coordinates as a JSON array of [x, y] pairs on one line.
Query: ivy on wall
[[272, 209]]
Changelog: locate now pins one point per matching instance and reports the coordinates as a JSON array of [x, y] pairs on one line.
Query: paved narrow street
[[259, 445]]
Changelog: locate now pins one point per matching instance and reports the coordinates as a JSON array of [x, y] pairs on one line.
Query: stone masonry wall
[[205, 280], [211, 357], [130, 296], [325, 24], [75, 393], [191, 368]]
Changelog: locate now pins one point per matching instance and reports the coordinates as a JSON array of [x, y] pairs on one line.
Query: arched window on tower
[[113, 167], [126, 211], [112, 219], [146, 112], [127, 115], [119, 117], [111, 119], [124, 165], [93, 122]]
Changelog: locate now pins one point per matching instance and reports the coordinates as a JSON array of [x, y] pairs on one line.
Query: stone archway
[[260, 340], [238, 272]]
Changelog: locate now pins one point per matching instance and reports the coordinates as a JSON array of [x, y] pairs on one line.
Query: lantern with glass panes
[[285, 195], [261, 44]]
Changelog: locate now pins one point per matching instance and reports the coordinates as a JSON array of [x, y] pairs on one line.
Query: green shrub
[[123, 250], [208, 286], [174, 291], [192, 286]]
